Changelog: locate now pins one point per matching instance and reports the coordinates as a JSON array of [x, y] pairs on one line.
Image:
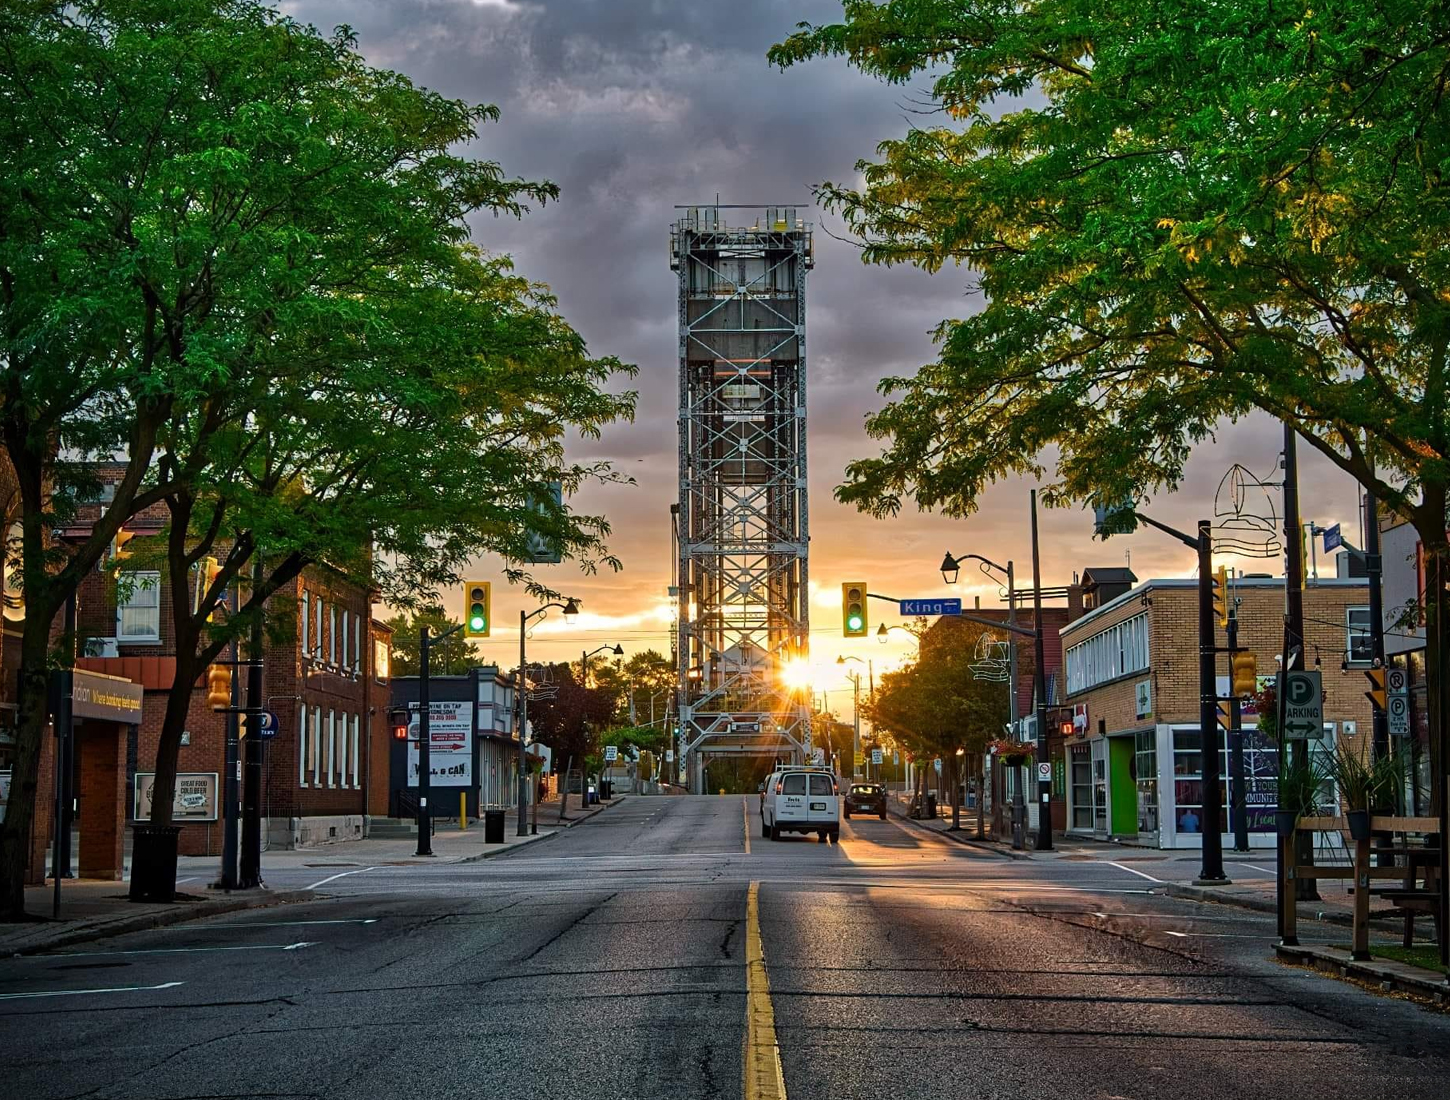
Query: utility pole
[[231, 782], [425, 759], [1304, 888], [1211, 869], [251, 871], [1374, 567], [1039, 688], [64, 756]]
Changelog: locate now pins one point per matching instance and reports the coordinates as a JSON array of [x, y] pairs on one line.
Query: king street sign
[[930, 607], [1303, 705]]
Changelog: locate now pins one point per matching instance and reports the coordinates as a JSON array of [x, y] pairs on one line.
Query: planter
[[153, 862], [1284, 822], [1358, 824]]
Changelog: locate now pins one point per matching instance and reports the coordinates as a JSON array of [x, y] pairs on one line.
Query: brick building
[[1134, 757], [1404, 627]]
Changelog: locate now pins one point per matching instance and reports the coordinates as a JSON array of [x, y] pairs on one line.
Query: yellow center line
[[745, 806], [762, 1073]]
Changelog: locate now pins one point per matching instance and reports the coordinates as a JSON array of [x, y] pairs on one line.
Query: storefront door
[[1100, 787]]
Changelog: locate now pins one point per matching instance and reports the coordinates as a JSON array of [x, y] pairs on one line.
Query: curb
[[1264, 905], [490, 853], [1390, 978], [569, 824], [164, 918], [988, 846]]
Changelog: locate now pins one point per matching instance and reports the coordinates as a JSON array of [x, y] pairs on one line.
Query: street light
[[521, 698], [950, 569]]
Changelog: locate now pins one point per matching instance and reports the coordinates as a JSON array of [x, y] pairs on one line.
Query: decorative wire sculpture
[[1244, 519], [990, 661]]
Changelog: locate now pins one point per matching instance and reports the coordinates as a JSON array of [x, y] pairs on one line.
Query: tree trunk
[[30, 742]]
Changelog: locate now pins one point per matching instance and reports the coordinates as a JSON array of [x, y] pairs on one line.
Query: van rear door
[[821, 804], [790, 803]]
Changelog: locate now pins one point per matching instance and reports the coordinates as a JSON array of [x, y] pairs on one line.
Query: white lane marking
[[334, 878], [85, 992], [1132, 871], [1213, 935], [181, 880], [276, 923], [1260, 870], [179, 950]]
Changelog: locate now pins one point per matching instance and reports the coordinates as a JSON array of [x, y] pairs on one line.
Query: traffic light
[[1376, 692], [400, 731], [1220, 595], [478, 609], [1225, 714], [1244, 667], [853, 609], [242, 726], [218, 687]]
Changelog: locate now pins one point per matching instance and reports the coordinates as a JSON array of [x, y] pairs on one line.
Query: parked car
[[801, 800], [866, 798]]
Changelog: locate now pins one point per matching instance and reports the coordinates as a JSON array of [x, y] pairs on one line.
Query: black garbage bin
[[931, 804], [606, 789], [493, 826], [153, 862]]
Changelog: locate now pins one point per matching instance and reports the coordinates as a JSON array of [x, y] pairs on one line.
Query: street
[[610, 961]]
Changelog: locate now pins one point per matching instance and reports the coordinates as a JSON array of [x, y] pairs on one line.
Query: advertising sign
[[195, 798], [1143, 699], [450, 744]]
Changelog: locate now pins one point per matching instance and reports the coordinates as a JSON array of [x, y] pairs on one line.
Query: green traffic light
[[854, 622], [476, 623]]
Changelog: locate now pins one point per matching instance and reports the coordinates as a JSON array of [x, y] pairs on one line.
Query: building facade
[[1134, 756], [1404, 627]]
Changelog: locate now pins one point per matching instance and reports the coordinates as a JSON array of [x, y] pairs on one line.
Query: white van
[[801, 800]]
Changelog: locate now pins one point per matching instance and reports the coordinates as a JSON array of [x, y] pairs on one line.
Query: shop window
[[1082, 788], [382, 660], [1358, 647], [1145, 768], [138, 607], [1188, 781]]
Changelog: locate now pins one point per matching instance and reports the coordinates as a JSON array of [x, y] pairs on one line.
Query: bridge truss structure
[[742, 528]]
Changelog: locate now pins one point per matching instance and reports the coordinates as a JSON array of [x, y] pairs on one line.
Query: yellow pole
[[463, 810]]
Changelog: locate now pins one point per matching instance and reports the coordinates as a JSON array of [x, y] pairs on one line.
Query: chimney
[[1074, 600]]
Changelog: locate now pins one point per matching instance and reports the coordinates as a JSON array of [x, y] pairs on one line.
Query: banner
[[450, 744]]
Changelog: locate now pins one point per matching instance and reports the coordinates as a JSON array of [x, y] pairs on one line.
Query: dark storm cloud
[[633, 106]]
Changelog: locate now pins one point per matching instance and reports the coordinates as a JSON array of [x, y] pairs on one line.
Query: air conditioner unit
[[103, 647]]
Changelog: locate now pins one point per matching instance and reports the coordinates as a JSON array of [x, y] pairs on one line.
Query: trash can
[[606, 789], [493, 826], [153, 862], [931, 804]]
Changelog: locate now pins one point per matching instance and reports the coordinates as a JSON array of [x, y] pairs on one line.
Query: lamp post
[[425, 763], [618, 651], [521, 700], [855, 679]]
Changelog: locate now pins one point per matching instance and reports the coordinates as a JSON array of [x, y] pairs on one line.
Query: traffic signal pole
[[425, 762], [1238, 794], [1039, 689], [1211, 868], [251, 864], [231, 782]]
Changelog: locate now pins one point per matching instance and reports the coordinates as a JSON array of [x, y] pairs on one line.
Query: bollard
[[463, 810]]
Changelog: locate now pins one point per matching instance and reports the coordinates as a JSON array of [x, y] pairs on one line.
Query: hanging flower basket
[[1013, 752]]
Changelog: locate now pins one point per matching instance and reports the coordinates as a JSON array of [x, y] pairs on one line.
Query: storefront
[[106, 710]]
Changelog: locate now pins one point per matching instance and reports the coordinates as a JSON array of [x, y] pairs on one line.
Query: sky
[[635, 106]]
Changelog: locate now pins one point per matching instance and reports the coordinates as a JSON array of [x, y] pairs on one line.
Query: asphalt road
[[662, 949]]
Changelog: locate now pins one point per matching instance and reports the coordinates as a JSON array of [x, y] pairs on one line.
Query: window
[[316, 738], [302, 747], [331, 746], [382, 660], [306, 623], [821, 784], [332, 636], [1145, 770], [1082, 788], [1359, 646], [317, 628], [356, 775], [1117, 651], [12, 581], [345, 633], [794, 784], [357, 643], [138, 608], [1188, 781]]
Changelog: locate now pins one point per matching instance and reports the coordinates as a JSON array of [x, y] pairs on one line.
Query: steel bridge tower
[[741, 523]]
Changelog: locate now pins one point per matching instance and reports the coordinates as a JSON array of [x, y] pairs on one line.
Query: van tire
[[774, 831], [836, 835], [883, 815], [764, 828], [848, 814]]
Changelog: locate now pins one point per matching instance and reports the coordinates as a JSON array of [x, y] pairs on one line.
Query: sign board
[[267, 725], [195, 798], [1044, 771], [450, 744], [1397, 681], [1398, 709], [108, 698], [745, 727], [611, 753], [937, 765], [4, 791], [1079, 717], [1143, 699], [818, 757], [1333, 538], [930, 607], [669, 755], [1303, 704], [877, 756]]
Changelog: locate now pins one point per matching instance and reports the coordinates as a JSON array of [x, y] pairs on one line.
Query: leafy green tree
[[235, 254], [454, 654], [1175, 214]]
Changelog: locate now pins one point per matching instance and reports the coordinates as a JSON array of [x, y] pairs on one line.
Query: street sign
[[611, 753], [1333, 538], [1397, 681], [876, 756], [1303, 704], [745, 727], [267, 725], [1044, 771], [1399, 715], [669, 756], [930, 607]]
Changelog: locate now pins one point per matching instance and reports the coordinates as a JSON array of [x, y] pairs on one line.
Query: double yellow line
[[762, 1076]]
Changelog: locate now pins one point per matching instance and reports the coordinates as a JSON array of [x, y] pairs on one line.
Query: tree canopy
[[1174, 213], [454, 654]]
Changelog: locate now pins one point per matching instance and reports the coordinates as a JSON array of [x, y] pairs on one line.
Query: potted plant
[[1299, 785], [1364, 786]]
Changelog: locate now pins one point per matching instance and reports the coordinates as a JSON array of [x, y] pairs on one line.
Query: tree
[[454, 654], [1176, 214], [649, 678], [571, 722], [235, 254]]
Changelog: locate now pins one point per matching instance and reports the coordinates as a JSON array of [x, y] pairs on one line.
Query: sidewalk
[[896, 804], [92, 910]]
